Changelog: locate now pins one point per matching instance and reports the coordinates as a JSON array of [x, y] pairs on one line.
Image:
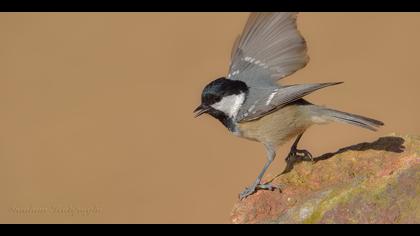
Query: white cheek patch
[[230, 104]]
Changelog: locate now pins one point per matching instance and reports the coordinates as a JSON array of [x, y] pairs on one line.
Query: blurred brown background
[[96, 122]]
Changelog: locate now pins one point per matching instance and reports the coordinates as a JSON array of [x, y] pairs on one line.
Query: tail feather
[[349, 118]]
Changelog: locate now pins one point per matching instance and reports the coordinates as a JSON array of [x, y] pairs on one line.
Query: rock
[[375, 182]]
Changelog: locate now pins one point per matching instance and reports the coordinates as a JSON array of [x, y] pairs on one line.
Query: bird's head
[[222, 97]]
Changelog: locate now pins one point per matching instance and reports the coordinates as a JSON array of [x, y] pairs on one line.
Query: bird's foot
[[303, 155], [255, 187]]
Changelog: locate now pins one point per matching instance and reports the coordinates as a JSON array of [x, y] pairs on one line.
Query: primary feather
[[269, 48]]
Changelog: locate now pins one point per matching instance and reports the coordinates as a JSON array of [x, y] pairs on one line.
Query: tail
[[325, 114]]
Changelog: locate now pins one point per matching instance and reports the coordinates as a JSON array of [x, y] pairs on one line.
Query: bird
[[252, 103]]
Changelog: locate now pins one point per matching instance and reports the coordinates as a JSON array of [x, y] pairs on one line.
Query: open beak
[[200, 110]]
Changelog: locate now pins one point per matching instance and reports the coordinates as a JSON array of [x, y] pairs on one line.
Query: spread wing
[[261, 101], [269, 48]]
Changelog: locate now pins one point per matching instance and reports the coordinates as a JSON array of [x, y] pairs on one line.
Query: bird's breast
[[277, 127]]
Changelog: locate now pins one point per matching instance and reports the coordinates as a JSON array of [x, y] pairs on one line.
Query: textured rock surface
[[375, 182]]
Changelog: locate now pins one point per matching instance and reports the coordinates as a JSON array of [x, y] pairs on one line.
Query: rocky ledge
[[375, 182]]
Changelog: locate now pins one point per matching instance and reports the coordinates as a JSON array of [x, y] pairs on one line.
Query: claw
[[252, 189], [304, 154], [247, 192], [269, 186]]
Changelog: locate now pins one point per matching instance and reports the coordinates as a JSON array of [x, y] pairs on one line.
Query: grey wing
[[269, 48], [261, 101]]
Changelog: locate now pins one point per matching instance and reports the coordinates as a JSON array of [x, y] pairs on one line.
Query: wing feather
[[270, 48], [262, 101]]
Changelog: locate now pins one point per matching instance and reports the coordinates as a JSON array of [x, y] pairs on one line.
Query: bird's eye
[[211, 99]]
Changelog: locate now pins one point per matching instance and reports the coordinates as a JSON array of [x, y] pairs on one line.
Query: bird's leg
[[294, 152], [271, 154]]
